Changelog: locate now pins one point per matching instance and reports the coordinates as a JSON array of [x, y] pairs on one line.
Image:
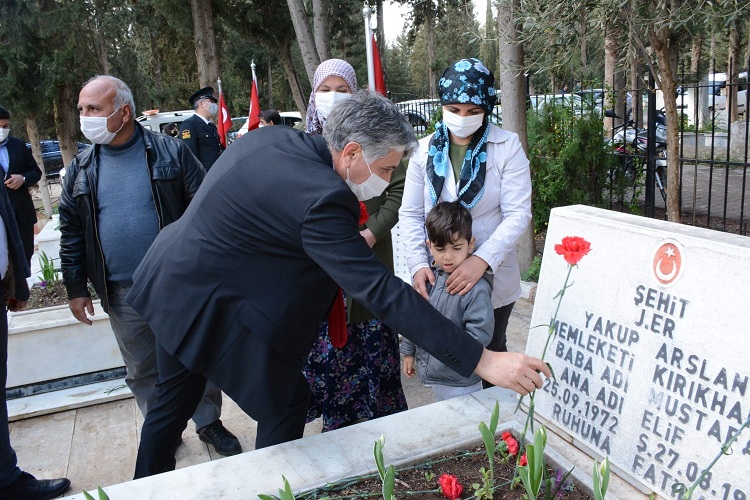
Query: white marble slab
[[650, 348], [50, 344], [67, 399], [312, 461]]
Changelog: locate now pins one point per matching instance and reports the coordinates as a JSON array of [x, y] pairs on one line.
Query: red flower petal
[[573, 249], [523, 461], [450, 486]]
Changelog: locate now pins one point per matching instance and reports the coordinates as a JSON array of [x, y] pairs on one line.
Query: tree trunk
[[33, 132], [156, 68], [322, 28], [614, 79], [205, 42], [665, 47], [733, 71], [695, 55], [635, 78], [66, 123], [513, 93], [270, 87], [582, 30], [381, 37], [305, 38], [101, 47], [430, 25], [292, 78]]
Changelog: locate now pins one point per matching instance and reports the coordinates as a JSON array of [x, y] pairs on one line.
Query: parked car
[[419, 112], [52, 157], [288, 118], [155, 121]]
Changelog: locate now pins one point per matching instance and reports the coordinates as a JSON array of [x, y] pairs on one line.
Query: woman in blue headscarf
[[471, 160]]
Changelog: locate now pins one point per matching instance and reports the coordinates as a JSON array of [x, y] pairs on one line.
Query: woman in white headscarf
[[356, 377]]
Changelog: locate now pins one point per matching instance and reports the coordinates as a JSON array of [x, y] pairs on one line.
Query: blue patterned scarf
[[467, 81]]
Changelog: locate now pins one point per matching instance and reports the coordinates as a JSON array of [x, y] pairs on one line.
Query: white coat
[[500, 217]]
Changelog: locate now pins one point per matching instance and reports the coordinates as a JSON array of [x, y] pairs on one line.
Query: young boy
[[450, 242]]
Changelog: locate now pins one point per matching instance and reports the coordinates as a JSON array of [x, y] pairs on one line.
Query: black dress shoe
[[27, 487], [224, 442]]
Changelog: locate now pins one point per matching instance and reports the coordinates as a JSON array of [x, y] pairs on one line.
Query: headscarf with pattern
[[467, 81], [331, 67]]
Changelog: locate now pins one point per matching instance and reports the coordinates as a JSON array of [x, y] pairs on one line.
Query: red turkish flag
[[224, 121], [254, 115], [379, 79]]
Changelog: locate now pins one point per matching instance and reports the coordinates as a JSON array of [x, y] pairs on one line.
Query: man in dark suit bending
[[255, 263]]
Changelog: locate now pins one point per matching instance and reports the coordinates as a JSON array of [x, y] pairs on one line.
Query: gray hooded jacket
[[473, 312]]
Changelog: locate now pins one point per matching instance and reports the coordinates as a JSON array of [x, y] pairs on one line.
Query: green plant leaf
[[87, 496], [378, 452], [389, 483], [102, 495], [494, 418]]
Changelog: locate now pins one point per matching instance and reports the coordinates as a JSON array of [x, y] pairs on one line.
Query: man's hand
[[15, 181], [512, 370], [369, 237], [409, 366], [420, 279], [80, 306], [466, 275]]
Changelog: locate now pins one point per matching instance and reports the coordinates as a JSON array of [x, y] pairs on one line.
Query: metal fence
[[713, 153]]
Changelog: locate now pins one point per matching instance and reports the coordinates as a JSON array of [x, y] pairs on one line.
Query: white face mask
[[371, 188], [4, 133], [94, 128], [325, 101], [462, 126], [213, 108]]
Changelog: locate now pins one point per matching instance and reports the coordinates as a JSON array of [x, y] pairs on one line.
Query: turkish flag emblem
[[667, 263]]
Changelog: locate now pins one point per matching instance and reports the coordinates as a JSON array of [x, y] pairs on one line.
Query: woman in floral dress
[[359, 380]]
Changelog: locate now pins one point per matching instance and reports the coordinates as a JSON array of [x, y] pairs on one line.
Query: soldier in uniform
[[198, 132]]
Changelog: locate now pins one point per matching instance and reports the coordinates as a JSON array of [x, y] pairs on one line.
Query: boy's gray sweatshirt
[[473, 312]]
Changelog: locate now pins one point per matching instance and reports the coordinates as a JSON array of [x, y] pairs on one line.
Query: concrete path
[[97, 445]]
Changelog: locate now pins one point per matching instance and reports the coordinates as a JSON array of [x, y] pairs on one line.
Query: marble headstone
[[650, 348]]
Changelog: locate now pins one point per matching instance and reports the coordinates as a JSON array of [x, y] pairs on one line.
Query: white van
[[717, 96], [155, 121]]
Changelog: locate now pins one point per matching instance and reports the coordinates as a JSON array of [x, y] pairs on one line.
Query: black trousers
[[499, 338], [179, 390], [9, 471]]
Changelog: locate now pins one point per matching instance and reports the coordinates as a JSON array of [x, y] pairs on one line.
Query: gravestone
[[650, 349]]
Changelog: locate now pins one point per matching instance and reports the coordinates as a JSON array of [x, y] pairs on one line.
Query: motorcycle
[[630, 144]]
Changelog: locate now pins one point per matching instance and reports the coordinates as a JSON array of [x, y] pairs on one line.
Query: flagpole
[[368, 46]]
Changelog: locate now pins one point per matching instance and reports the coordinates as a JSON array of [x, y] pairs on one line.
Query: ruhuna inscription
[[648, 349]]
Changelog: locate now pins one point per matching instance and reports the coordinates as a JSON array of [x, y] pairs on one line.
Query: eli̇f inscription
[[649, 349]]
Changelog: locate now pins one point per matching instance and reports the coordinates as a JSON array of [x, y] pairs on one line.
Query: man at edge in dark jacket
[[117, 195]]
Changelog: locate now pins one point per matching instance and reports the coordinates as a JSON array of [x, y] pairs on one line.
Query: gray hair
[[373, 122], [123, 94]]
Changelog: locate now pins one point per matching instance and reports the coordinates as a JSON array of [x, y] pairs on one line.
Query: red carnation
[[450, 486], [363, 215], [523, 461], [511, 442], [573, 248]]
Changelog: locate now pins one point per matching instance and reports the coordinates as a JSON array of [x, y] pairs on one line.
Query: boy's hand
[[409, 366], [466, 275], [420, 279]]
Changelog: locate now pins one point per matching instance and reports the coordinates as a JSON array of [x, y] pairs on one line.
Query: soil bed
[[53, 294], [421, 481]]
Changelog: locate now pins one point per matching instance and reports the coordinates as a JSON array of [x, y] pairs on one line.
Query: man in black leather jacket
[[117, 195]]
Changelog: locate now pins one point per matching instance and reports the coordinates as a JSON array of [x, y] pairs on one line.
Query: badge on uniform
[[186, 134]]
